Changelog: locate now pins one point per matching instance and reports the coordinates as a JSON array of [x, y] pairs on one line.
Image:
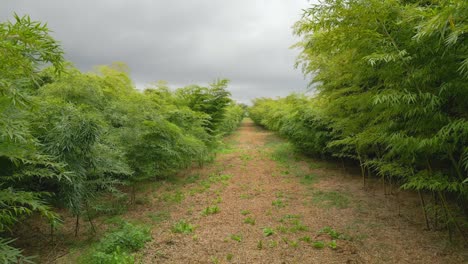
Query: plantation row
[[66, 137], [391, 93]]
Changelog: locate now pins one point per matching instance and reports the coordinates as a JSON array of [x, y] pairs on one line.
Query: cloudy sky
[[182, 42]]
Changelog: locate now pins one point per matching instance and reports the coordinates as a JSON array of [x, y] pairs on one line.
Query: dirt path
[[267, 205]]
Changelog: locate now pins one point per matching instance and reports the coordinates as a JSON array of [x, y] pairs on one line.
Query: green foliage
[[26, 47], [68, 137], [331, 232], [128, 237], [318, 244], [390, 93], [117, 246], [236, 237], [9, 254], [267, 231], [260, 245], [333, 244], [278, 203], [182, 226], [245, 212], [210, 210], [249, 220]]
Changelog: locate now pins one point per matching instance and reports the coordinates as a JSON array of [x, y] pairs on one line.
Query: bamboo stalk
[[455, 165], [423, 205], [89, 218], [77, 224], [449, 213]]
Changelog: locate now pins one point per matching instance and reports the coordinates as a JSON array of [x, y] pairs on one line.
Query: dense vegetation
[[67, 137], [391, 93]]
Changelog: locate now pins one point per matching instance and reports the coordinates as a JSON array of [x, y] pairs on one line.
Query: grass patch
[[118, 245], [318, 244], [245, 157], [249, 220], [236, 237], [278, 203], [273, 140], [159, 216], [309, 179], [283, 153], [192, 178], [288, 217], [245, 212], [267, 231], [176, 197], [298, 226], [272, 243], [282, 229], [333, 233], [224, 178], [330, 199], [210, 210], [183, 227]]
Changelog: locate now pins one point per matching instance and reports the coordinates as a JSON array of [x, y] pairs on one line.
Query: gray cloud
[[181, 42]]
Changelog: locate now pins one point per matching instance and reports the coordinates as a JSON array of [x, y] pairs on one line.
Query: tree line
[[67, 137], [390, 92]]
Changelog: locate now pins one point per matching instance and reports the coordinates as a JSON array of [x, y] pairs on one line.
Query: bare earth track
[[294, 198]]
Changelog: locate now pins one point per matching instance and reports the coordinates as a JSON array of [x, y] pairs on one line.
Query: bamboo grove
[[67, 137], [390, 92]]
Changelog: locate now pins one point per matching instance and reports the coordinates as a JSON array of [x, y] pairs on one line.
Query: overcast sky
[[182, 42]]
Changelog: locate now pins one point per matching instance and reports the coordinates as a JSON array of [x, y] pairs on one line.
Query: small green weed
[[214, 260], [229, 256], [182, 226], [267, 231], [333, 233], [176, 197], [298, 226], [249, 220], [332, 244], [282, 229], [236, 237], [279, 194], [306, 239], [260, 245], [214, 178], [293, 243], [288, 217], [210, 210], [245, 212], [218, 200], [318, 244], [272, 243], [278, 203]]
